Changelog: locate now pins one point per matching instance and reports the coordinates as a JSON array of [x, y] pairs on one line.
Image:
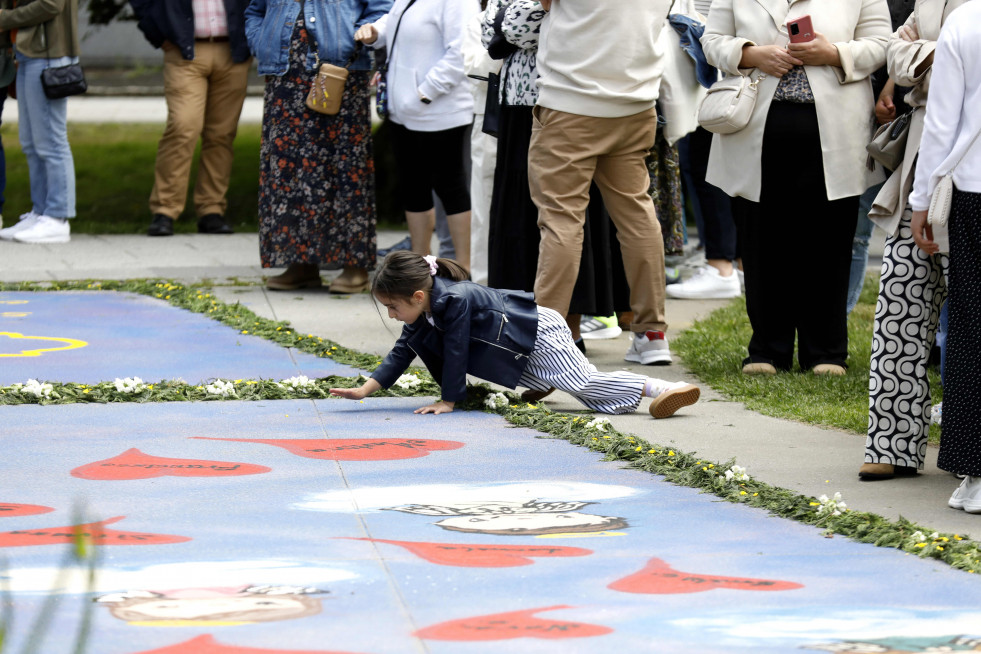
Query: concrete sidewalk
[[801, 457]]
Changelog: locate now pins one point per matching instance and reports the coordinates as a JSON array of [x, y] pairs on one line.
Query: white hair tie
[[431, 260]]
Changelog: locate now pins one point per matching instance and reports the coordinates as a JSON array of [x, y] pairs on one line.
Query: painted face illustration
[[228, 606], [532, 523]]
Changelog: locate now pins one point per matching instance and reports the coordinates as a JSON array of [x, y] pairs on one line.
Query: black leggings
[[431, 161]]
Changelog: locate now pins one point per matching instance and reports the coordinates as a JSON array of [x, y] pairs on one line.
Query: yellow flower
[[652, 451], [245, 331], [670, 452], [755, 494], [742, 492], [920, 545], [711, 465], [815, 503], [940, 548], [638, 449]]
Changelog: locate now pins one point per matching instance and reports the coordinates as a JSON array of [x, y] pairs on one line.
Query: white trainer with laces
[[967, 496], [45, 230], [671, 396], [26, 220], [706, 284], [649, 348]]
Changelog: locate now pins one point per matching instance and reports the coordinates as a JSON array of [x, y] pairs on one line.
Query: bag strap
[[396, 34], [963, 154]]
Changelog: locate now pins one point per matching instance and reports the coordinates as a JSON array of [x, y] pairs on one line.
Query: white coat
[[903, 58], [843, 98]]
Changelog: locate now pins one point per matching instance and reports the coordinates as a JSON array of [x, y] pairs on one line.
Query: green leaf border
[[584, 430]]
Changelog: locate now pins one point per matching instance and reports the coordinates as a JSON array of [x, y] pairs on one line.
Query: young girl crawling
[[458, 327]]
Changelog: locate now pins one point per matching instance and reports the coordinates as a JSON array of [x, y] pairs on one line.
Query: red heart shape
[[515, 624], [134, 464], [13, 510], [95, 530], [481, 556], [658, 578], [352, 449]]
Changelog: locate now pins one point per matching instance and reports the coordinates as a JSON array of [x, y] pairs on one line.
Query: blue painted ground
[[330, 544], [88, 337]]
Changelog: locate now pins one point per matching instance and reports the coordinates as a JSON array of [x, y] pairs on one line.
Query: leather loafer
[[296, 276], [352, 280], [883, 471], [161, 225], [213, 223]]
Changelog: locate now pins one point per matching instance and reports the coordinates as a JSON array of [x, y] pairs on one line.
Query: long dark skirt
[[960, 444], [513, 234], [316, 174]]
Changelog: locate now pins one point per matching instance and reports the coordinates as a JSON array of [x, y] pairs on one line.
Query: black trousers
[[717, 229], [797, 248], [431, 161]]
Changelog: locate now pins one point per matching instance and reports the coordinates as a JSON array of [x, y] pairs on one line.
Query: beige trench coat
[[903, 58], [843, 98]]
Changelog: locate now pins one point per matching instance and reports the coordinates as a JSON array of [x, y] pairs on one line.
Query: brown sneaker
[[832, 369], [296, 276], [759, 368], [673, 398]]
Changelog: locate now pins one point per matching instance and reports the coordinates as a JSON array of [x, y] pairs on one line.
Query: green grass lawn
[[715, 347], [114, 176]]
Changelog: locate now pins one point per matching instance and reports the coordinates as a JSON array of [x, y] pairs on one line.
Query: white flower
[[129, 385], [737, 473], [219, 387], [599, 424], [35, 388], [496, 401], [918, 536], [831, 506], [301, 382], [407, 382]]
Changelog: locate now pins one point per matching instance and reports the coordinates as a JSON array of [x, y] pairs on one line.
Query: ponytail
[[402, 273]]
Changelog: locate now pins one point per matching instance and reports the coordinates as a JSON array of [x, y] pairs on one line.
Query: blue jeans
[[44, 139], [860, 246]]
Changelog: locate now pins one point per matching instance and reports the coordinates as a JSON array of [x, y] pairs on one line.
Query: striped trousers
[[557, 362]]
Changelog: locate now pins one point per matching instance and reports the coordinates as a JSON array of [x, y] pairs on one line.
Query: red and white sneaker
[[649, 348]]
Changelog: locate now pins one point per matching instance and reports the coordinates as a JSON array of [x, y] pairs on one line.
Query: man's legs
[[186, 90], [623, 180], [225, 96], [561, 163]]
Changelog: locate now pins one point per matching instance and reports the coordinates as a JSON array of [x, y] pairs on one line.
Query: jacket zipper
[[517, 355], [504, 319]]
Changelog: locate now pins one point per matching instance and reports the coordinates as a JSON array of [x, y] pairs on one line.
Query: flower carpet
[[290, 523]]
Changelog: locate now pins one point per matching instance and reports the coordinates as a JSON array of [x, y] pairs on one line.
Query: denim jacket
[[331, 23], [478, 330], [689, 32]]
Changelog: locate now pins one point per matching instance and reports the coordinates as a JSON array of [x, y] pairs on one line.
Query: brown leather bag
[[327, 89]]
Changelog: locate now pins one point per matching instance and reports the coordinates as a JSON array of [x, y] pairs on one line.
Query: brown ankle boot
[[296, 276], [352, 280]]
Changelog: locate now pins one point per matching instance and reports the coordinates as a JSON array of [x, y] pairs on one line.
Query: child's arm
[[443, 406], [363, 391]]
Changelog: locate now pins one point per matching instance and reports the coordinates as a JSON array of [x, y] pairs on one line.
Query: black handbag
[[62, 81], [492, 107], [499, 47]]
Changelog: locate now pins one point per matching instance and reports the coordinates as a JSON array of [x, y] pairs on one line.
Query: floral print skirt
[[317, 172], [664, 167]]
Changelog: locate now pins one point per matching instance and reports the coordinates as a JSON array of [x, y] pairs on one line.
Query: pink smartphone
[[800, 30]]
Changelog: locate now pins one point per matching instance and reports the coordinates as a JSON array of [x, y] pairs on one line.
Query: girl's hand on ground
[[348, 393], [438, 407]]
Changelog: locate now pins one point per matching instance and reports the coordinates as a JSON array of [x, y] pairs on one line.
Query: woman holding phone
[[796, 170]]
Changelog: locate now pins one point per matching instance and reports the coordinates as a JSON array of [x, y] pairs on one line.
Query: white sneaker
[[26, 220], [967, 496], [45, 230], [706, 284], [671, 396], [937, 413], [599, 327], [649, 348]]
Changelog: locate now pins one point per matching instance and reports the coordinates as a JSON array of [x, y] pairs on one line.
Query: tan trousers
[[204, 101], [569, 151]]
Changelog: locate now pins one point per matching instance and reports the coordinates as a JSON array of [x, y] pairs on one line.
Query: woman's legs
[[912, 289]]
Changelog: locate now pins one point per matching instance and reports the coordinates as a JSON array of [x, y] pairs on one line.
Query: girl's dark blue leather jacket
[[269, 25], [483, 331]]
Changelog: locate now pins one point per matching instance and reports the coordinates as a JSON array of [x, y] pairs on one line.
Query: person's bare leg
[[459, 224], [573, 321], [421, 226]]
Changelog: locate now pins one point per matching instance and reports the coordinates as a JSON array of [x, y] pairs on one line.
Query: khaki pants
[[569, 151], [204, 101]]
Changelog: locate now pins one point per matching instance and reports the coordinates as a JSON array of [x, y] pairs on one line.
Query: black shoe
[[213, 223], [161, 225]]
